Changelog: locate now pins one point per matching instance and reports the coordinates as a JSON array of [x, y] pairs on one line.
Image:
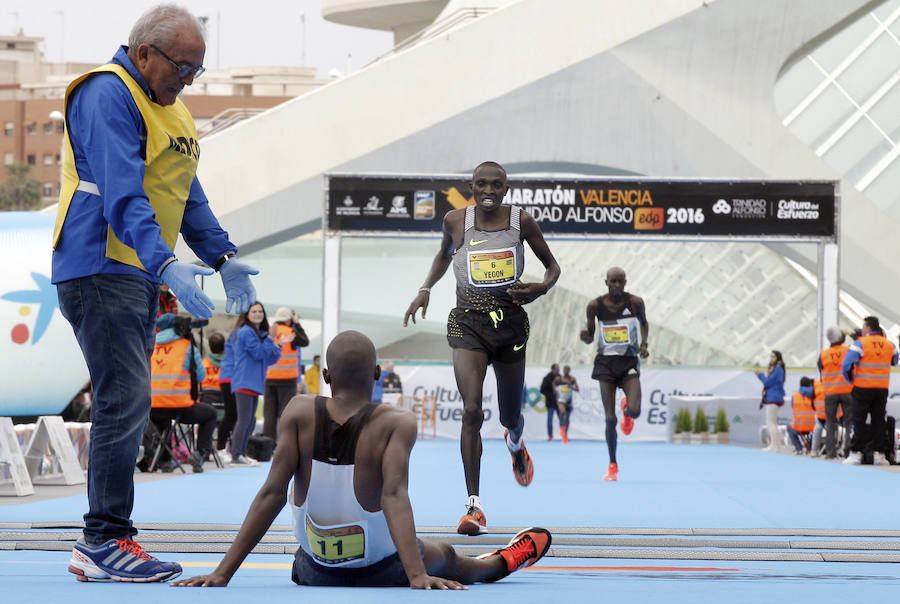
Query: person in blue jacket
[[129, 188], [254, 350], [773, 396]]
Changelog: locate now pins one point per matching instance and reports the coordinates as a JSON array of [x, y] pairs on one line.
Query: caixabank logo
[[649, 219], [46, 300]]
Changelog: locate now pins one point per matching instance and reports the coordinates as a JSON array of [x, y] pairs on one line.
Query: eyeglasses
[[183, 70]]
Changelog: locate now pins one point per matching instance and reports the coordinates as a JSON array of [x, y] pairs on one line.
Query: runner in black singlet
[[620, 316], [484, 243], [349, 462]]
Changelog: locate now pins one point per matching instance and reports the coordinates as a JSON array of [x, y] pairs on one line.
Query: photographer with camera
[[282, 376], [176, 371]]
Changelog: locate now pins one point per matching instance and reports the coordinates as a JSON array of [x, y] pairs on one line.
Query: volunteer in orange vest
[[867, 365], [819, 429], [210, 391], [838, 401], [281, 378], [170, 384], [804, 414]]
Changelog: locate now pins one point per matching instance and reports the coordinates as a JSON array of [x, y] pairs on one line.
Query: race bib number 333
[[336, 545], [492, 268]]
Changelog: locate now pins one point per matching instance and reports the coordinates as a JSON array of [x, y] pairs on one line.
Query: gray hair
[[834, 334], [159, 25]]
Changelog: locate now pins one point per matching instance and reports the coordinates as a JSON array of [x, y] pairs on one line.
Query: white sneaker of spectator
[[853, 459], [224, 455], [878, 459], [243, 460]]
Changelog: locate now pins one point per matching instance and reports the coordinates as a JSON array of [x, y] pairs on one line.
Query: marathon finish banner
[[591, 207]]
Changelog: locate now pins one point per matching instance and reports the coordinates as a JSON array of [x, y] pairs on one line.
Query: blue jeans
[[796, 438], [114, 319]]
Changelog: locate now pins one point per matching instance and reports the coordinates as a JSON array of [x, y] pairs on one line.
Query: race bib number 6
[[336, 545], [492, 268]]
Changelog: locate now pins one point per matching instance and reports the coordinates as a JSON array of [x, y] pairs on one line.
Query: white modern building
[[781, 89]]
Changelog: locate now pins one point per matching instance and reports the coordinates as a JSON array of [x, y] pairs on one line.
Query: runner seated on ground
[[349, 461]]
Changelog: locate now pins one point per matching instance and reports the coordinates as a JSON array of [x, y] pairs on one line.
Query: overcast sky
[[241, 33]]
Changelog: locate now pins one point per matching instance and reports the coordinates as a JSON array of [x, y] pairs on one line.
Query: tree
[[20, 192]]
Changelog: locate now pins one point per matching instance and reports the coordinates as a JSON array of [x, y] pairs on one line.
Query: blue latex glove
[[181, 279], [239, 291]]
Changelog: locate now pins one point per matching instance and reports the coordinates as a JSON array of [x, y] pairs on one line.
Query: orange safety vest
[[819, 399], [832, 377], [804, 415], [211, 381], [287, 367], [170, 383], [873, 370]]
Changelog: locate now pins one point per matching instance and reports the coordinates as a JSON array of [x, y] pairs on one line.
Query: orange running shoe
[[523, 550], [565, 435], [473, 523], [523, 467], [612, 473], [627, 422]]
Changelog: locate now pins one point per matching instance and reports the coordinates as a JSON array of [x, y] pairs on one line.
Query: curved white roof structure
[[687, 88]]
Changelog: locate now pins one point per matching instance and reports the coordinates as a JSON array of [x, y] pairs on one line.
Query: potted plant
[[682, 426], [701, 427], [721, 426]]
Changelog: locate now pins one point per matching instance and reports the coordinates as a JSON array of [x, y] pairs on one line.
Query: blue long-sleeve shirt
[[854, 354], [107, 133], [774, 385], [227, 363], [252, 357], [378, 388]]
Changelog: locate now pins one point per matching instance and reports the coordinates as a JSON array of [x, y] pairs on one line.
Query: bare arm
[[641, 314], [265, 507], [523, 293], [587, 334], [438, 267], [398, 510]]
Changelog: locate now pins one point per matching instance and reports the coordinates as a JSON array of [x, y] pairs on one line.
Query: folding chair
[[159, 442]]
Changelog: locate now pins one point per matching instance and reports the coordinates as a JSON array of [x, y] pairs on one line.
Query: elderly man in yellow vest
[[129, 186]]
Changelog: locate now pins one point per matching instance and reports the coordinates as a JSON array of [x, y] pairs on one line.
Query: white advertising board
[[588, 420]]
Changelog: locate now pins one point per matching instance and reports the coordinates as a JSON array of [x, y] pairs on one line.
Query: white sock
[[513, 446], [474, 501]]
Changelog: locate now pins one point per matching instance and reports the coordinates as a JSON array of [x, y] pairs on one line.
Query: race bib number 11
[[336, 545]]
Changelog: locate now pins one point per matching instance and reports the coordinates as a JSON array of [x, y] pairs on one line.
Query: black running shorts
[[501, 334], [616, 369], [387, 572]]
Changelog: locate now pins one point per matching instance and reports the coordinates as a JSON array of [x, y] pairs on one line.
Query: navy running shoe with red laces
[[523, 550], [119, 560]]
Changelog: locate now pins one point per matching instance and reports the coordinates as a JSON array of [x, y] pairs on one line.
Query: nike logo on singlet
[[479, 242], [518, 347]]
